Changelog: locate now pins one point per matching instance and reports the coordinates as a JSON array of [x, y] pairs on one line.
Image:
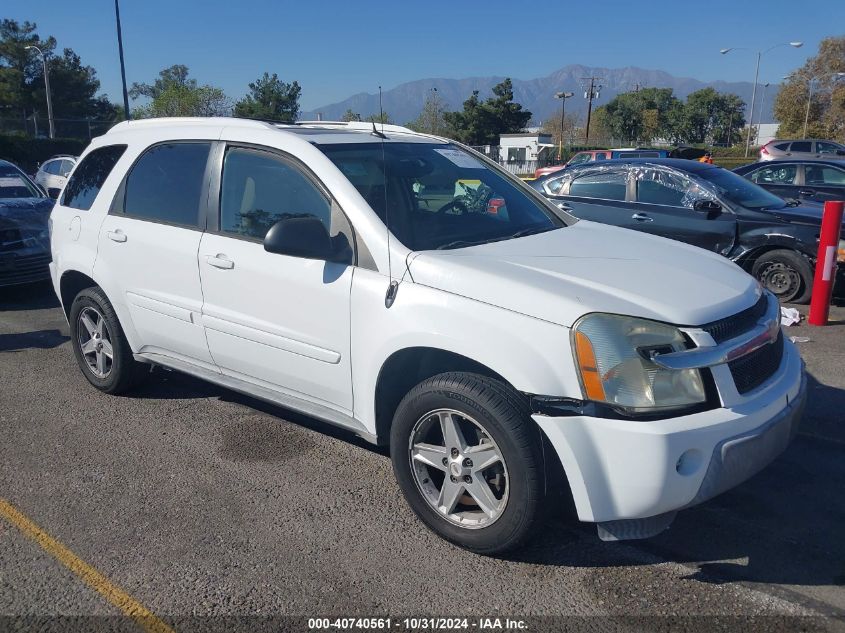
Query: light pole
[[762, 107], [122, 65], [563, 96], [760, 54], [46, 88]]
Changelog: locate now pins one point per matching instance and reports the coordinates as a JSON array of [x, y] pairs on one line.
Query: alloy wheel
[[458, 468], [95, 343]]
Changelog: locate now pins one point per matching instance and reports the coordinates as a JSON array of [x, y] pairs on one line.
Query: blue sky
[[335, 49]]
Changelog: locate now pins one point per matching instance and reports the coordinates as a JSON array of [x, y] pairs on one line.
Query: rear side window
[[800, 146], [86, 182], [606, 185], [782, 146], [166, 184]]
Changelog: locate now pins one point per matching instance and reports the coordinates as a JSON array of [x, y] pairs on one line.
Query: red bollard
[[826, 263]]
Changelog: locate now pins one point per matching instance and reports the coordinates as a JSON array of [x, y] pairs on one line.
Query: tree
[[382, 117], [482, 123], [642, 115], [827, 104], [73, 86], [552, 126], [174, 94], [270, 98], [349, 115], [432, 118], [710, 115]]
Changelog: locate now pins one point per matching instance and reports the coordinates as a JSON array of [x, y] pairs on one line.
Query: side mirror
[[710, 207], [303, 236]]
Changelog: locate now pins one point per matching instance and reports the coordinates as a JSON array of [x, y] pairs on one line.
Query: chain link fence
[[38, 126]]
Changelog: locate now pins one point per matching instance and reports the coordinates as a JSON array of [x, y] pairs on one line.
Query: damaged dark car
[[24, 232], [703, 205]]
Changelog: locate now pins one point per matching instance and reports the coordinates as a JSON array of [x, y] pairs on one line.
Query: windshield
[[438, 196], [13, 184], [740, 191]]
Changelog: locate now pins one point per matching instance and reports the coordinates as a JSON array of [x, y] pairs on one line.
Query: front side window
[[606, 185], [777, 174], [86, 182], [166, 184], [259, 189], [581, 157], [436, 195], [831, 149], [820, 175], [801, 146], [733, 187], [658, 186]]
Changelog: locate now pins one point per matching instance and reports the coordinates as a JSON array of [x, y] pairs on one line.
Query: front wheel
[[468, 460], [787, 274]]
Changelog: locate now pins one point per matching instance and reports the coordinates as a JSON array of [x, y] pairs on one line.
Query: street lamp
[[725, 51], [563, 96], [46, 87], [762, 107]]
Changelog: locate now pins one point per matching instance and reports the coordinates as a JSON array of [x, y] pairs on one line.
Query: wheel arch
[[72, 282], [747, 258], [407, 367]]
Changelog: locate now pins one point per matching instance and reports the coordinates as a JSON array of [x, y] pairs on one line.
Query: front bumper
[[24, 267], [632, 476]]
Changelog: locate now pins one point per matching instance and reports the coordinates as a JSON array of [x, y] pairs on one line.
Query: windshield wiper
[[522, 233], [462, 243], [530, 231]]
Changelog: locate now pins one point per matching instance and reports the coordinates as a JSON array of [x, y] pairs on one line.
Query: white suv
[[488, 337]]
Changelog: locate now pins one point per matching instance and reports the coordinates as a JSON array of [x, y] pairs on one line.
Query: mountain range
[[404, 102]]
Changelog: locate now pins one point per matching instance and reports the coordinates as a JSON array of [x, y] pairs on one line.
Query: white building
[[524, 147]]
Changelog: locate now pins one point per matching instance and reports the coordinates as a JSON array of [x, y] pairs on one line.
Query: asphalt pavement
[[213, 509]]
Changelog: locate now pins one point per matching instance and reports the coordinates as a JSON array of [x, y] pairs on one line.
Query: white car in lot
[[52, 174], [489, 338]]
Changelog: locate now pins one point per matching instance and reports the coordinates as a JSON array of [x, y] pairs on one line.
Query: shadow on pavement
[[38, 296], [43, 339]]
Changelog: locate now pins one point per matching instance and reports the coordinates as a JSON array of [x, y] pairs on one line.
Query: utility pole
[[591, 93], [122, 65], [563, 96]]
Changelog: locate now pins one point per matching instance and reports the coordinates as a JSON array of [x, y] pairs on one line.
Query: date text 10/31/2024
[[417, 624]]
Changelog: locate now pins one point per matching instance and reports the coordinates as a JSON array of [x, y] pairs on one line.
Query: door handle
[[116, 236], [806, 192], [642, 217], [220, 261]]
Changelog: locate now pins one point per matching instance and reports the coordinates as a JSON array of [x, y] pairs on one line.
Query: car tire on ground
[[785, 273], [469, 460], [100, 346]]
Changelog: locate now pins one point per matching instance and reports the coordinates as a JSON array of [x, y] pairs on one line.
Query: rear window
[[13, 184], [86, 182]]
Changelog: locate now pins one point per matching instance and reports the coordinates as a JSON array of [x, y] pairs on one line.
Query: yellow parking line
[[94, 579]]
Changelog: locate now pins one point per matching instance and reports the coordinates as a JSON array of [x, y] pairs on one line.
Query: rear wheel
[[787, 274], [100, 347], [468, 460]]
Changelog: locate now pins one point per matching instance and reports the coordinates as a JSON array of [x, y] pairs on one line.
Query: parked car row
[[804, 148], [24, 236], [804, 180], [700, 204]]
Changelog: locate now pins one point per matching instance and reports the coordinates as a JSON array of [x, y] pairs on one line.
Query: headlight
[[614, 361]]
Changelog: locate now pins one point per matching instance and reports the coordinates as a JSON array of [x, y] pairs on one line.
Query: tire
[[494, 422], [785, 273], [91, 345]]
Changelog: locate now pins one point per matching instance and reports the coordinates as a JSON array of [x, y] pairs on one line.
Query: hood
[[810, 214], [23, 222], [560, 275]]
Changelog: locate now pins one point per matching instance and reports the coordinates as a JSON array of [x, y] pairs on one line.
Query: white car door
[[148, 249], [273, 320]]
